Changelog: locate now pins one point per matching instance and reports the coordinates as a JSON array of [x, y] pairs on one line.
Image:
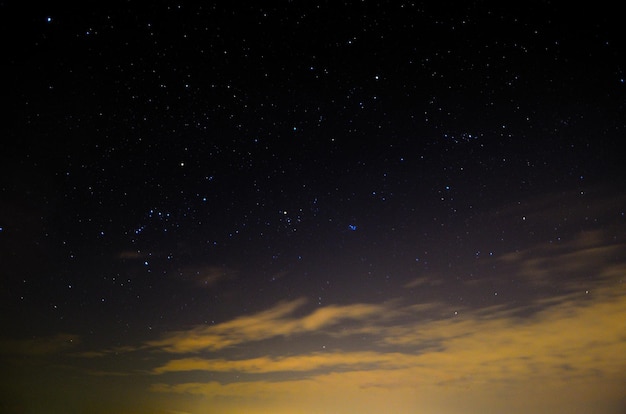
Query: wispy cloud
[[275, 322], [300, 363], [423, 281], [591, 256]]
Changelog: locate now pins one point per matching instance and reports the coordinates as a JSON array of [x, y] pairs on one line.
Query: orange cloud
[[567, 346], [300, 363], [275, 322], [550, 353]]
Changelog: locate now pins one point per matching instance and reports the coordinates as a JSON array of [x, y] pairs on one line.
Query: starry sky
[[311, 207]]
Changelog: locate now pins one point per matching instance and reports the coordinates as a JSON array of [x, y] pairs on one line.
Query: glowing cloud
[[275, 322]]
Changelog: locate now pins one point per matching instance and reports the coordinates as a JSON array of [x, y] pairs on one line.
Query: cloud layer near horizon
[[565, 341], [554, 350], [570, 345]]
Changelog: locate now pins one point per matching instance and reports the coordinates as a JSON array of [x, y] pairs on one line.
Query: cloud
[[541, 354], [300, 363], [107, 352], [575, 343], [245, 328], [571, 334], [589, 257], [423, 281], [561, 345], [110, 373], [275, 322]]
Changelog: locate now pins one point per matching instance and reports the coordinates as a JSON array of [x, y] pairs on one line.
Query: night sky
[[312, 207]]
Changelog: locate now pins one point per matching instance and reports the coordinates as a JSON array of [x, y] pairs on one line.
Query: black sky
[[178, 165]]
